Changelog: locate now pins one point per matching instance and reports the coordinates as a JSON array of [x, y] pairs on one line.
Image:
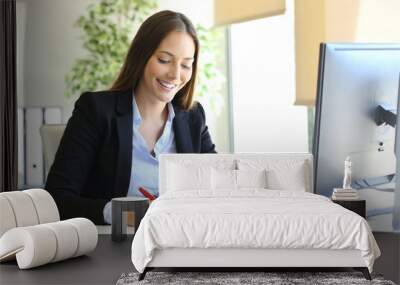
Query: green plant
[[210, 78], [108, 28]]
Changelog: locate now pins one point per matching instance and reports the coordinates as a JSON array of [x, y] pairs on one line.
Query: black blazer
[[93, 162]]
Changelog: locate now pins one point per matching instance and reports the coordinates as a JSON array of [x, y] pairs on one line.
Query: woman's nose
[[174, 72]]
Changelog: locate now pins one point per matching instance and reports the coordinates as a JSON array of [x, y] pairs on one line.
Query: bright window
[[263, 86]]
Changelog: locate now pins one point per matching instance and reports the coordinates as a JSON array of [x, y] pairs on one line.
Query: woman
[[113, 140]]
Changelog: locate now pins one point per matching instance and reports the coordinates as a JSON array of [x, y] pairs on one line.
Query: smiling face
[[169, 68]]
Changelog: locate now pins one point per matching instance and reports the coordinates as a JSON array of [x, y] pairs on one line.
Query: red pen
[[146, 194]]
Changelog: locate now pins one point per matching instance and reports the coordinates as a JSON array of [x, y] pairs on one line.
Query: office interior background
[[253, 110], [265, 100]]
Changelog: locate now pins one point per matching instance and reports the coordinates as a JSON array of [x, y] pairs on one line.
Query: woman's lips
[[166, 85]]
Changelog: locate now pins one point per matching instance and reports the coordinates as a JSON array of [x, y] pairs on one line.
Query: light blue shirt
[[144, 171]]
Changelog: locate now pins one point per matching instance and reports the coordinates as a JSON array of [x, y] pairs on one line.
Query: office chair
[[51, 137]]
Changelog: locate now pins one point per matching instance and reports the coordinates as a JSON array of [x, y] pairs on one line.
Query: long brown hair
[[149, 36]]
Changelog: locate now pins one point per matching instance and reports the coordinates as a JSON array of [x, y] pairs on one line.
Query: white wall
[[198, 11], [263, 85], [48, 45], [378, 21]]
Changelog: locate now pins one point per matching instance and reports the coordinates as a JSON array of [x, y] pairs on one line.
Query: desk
[[104, 265]]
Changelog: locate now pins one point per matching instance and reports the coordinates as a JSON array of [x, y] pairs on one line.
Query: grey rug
[[231, 278]]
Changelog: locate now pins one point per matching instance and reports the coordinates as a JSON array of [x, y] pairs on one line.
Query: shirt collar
[[171, 112], [137, 118]]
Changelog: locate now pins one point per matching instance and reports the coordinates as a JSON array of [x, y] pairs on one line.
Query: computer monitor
[[355, 83]]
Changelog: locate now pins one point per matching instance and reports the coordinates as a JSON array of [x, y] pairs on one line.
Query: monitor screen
[[353, 81]]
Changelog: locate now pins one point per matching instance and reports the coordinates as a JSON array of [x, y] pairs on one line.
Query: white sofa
[[31, 231]]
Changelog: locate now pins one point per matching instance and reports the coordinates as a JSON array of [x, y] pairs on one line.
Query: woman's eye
[[186, 66], [160, 60]]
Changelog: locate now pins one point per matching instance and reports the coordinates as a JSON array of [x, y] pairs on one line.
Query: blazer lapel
[[183, 137], [124, 121]]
